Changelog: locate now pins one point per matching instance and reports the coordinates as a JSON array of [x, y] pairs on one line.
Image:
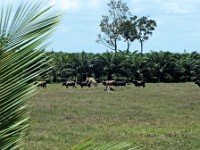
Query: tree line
[[162, 66]]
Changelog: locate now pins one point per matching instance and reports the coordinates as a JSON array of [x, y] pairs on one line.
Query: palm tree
[[60, 67], [159, 65], [187, 65], [81, 62], [22, 36], [107, 60], [133, 65]]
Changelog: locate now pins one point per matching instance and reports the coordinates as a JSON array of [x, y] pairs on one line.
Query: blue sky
[[178, 25]]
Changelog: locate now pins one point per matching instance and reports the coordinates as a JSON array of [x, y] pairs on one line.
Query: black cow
[[120, 83], [138, 83], [69, 83], [197, 83], [84, 83]]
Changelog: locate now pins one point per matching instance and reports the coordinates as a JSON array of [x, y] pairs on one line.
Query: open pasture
[[161, 116]]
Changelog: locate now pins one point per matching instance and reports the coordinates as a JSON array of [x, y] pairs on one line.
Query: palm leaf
[[90, 144], [22, 40]]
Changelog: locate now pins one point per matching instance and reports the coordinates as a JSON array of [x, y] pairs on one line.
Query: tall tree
[[145, 28], [110, 24], [22, 36], [128, 31]]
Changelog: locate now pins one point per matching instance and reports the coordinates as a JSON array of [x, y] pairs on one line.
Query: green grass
[[158, 117]]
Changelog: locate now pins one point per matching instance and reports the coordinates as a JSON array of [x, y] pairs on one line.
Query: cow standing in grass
[[69, 83], [120, 83], [197, 83], [108, 84], [92, 81], [139, 83], [42, 84], [84, 83]]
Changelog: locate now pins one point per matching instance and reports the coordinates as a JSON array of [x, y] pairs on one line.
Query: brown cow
[[41, 84], [109, 83]]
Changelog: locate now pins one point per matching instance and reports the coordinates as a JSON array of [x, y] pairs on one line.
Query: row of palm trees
[[162, 66]]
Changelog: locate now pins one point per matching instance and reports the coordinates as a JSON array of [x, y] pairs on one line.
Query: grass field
[[161, 116]]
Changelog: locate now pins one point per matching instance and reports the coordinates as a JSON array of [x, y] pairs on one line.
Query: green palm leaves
[[22, 36], [90, 144]]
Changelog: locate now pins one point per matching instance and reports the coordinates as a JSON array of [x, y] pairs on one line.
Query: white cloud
[[173, 7], [180, 7], [168, 7], [66, 5], [94, 3]]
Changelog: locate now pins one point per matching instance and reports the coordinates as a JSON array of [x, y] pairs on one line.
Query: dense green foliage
[[150, 67]]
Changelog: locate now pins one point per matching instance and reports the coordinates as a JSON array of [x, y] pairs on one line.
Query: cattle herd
[[109, 84]]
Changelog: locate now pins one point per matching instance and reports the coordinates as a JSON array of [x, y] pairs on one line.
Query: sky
[[178, 25]]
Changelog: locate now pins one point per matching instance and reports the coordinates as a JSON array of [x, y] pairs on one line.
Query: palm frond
[[22, 40], [90, 144]]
